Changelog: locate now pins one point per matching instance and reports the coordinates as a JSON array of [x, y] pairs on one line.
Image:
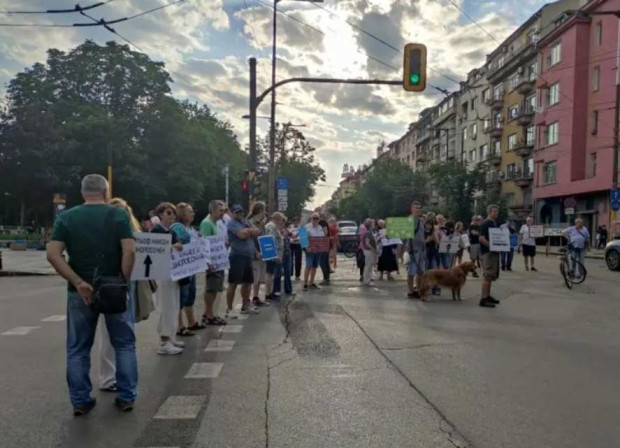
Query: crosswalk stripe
[[231, 329], [201, 370], [219, 345], [178, 407], [55, 318], [19, 331], [243, 316]]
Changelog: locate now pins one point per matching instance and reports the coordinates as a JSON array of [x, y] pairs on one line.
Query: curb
[[589, 256], [24, 274]]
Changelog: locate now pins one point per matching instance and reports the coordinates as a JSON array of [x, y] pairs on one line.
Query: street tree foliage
[[295, 161], [93, 104], [388, 190]]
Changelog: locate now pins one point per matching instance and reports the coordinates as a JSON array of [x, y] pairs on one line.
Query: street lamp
[[272, 130], [247, 117]]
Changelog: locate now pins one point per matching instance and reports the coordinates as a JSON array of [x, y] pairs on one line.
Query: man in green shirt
[[97, 237], [215, 279]]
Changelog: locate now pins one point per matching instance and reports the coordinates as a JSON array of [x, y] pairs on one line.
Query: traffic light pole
[[253, 108]]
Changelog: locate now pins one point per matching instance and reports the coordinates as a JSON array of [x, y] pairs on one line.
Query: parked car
[[347, 233], [612, 255]]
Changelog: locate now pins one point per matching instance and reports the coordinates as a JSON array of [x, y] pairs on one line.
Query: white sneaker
[[249, 310], [228, 315], [168, 348], [177, 343]]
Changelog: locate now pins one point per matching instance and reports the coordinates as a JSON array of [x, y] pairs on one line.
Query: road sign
[[152, 256], [569, 211], [282, 184], [282, 193], [615, 195], [615, 205]]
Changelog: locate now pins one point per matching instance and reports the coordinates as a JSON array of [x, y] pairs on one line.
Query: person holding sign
[[387, 260], [528, 243], [313, 259], [210, 226], [416, 247], [490, 260], [508, 256], [168, 292], [274, 265], [369, 246]]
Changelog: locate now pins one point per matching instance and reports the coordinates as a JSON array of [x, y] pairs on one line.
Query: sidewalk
[[29, 262], [596, 254]]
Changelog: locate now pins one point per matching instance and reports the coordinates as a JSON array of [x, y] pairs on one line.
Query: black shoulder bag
[[110, 291]]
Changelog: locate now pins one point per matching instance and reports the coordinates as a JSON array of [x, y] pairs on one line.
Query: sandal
[[185, 332], [197, 326], [216, 321]]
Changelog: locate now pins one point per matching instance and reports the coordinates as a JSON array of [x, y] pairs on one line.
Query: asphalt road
[[343, 367]]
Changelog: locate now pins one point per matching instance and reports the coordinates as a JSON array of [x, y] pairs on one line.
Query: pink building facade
[[576, 120]]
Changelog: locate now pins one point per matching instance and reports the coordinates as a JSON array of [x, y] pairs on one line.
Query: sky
[[206, 44]]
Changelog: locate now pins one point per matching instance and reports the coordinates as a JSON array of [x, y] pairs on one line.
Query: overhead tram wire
[[77, 8], [113, 31]]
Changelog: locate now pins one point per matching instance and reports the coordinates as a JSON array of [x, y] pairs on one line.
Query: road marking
[[55, 318], [231, 329], [19, 331], [243, 316], [201, 370], [180, 407], [219, 345]]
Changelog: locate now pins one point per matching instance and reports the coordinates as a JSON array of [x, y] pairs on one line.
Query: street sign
[[152, 254], [615, 205], [282, 193], [282, 184], [569, 211], [614, 196]]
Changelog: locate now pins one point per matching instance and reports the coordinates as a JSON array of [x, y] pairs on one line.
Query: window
[[513, 81], [530, 135], [464, 109], [555, 56], [552, 134], [486, 95], [498, 92], [592, 165], [528, 167], [513, 112], [532, 71], [549, 173], [473, 102], [598, 33], [594, 122], [486, 124], [596, 78], [498, 120], [510, 171], [474, 130], [484, 151], [553, 96], [472, 155], [512, 141], [497, 148], [530, 103], [465, 134]]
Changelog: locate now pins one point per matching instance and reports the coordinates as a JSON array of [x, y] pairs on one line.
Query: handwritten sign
[[537, 231], [304, 239], [465, 240], [152, 256], [318, 244], [391, 242], [553, 231], [214, 248], [449, 244], [499, 240], [267, 244], [402, 228], [190, 261]]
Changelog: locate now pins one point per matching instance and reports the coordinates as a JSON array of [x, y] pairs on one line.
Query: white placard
[[190, 261], [465, 240], [449, 244], [215, 250], [391, 242], [499, 240], [152, 256], [537, 231]]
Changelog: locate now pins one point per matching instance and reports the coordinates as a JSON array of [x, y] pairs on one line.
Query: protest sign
[[499, 240], [215, 250], [302, 232], [465, 240], [402, 228], [318, 244], [152, 254], [267, 244], [190, 261], [514, 240], [391, 242], [554, 231], [449, 244], [537, 231]]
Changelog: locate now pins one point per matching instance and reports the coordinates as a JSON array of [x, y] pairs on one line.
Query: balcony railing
[[526, 116], [525, 85], [494, 158], [523, 178], [523, 148], [496, 101]]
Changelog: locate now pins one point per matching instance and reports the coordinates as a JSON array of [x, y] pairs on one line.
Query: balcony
[[495, 131], [494, 158], [495, 102], [421, 157], [521, 209], [494, 181], [523, 149], [526, 85], [526, 117], [523, 179]]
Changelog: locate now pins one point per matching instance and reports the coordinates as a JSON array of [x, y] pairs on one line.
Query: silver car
[[612, 255]]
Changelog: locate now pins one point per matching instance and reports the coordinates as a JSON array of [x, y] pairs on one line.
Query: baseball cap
[[236, 208]]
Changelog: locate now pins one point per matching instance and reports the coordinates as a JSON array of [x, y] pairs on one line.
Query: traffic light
[[414, 68], [245, 183]]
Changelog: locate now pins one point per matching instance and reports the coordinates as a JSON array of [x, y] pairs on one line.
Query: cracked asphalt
[[346, 366]]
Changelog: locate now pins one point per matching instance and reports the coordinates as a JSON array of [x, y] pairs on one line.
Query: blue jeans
[[507, 258], [188, 293], [444, 261], [432, 262], [81, 326], [287, 268], [577, 255], [277, 278]]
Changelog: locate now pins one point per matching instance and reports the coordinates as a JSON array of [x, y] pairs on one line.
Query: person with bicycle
[[578, 238]]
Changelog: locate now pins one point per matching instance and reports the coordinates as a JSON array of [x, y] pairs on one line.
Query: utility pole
[[110, 156], [253, 107], [226, 172], [272, 128]]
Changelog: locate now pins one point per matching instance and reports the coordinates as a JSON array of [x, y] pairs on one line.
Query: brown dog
[[453, 278]]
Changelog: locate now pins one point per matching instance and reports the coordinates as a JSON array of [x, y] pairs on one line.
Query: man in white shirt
[[578, 238], [528, 244], [312, 259]]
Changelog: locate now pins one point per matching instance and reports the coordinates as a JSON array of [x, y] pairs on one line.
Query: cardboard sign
[[465, 240], [216, 252], [449, 244], [552, 231], [537, 231], [392, 242], [304, 239], [499, 240], [402, 228], [318, 244], [267, 244], [152, 256], [190, 261]]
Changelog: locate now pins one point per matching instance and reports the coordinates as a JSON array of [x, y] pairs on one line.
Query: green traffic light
[[414, 78]]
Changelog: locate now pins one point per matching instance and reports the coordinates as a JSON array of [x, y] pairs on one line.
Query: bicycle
[[350, 248], [571, 278]]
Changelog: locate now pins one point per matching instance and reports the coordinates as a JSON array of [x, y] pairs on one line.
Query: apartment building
[[423, 138], [473, 115], [574, 148], [443, 143]]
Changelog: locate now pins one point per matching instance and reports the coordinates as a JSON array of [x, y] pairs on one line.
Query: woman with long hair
[[257, 218]]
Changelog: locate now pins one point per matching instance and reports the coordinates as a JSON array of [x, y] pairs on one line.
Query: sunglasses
[[315, 219], [170, 213]]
